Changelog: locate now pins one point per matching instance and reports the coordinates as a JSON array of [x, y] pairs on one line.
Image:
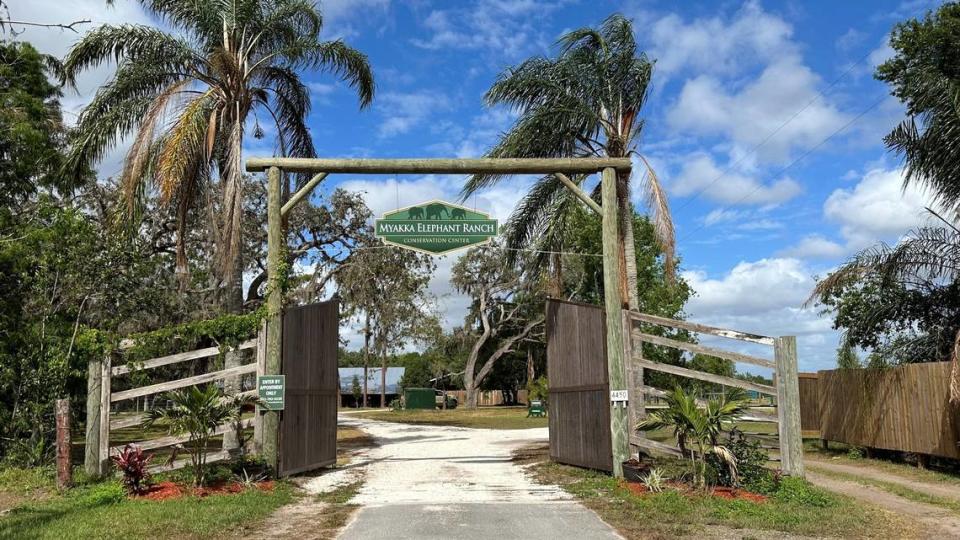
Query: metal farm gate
[[308, 424], [579, 416]]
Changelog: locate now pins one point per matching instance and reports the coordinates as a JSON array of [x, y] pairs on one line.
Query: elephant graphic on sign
[[436, 211], [415, 212], [458, 213]]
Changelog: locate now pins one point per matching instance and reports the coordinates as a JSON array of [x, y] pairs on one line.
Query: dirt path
[[940, 522], [443, 482], [940, 490]]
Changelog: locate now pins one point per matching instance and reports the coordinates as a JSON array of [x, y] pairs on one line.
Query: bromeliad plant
[[198, 412], [132, 462], [700, 425]]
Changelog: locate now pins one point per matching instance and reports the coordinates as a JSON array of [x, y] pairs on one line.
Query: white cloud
[[815, 246], [877, 208], [751, 287], [339, 16], [718, 44], [321, 93], [721, 215], [765, 297], [404, 111], [58, 42], [699, 172], [760, 113], [510, 28]]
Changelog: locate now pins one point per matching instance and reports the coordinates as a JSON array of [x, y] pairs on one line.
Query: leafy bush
[[702, 425], [198, 412], [132, 462], [751, 459], [799, 491], [538, 389], [855, 452]]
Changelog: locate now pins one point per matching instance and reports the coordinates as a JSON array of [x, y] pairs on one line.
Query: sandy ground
[[443, 482], [940, 522]]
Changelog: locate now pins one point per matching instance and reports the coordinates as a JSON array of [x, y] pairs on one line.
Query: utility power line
[[761, 185], [766, 139]]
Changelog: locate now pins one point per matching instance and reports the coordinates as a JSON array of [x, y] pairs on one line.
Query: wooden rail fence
[[101, 400], [784, 367], [487, 398]]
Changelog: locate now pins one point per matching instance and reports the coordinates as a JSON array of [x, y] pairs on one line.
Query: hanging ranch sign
[[436, 227]]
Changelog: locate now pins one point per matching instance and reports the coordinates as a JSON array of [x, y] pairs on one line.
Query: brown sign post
[[64, 465]]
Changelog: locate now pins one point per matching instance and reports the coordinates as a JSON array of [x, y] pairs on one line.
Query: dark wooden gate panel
[[308, 424], [579, 416]]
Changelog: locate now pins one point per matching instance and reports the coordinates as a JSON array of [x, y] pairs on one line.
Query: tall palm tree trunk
[[366, 358], [630, 256]]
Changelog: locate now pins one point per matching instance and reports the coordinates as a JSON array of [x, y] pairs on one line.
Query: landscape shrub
[[751, 459], [799, 491], [132, 462]]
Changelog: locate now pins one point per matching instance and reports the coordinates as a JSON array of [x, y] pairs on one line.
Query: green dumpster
[[419, 398]]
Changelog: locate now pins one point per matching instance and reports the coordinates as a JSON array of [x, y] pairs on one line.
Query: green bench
[[536, 408]]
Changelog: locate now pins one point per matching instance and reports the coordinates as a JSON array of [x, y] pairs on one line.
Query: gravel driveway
[[449, 482]]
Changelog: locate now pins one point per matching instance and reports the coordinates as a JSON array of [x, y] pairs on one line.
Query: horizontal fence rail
[[177, 358], [711, 351], [706, 377], [441, 166], [699, 328], [181, 383]]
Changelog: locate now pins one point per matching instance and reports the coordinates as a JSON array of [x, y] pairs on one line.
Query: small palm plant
[[701, 425], [199, 412]]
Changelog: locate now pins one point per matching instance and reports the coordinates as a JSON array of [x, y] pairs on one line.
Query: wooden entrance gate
[[308, 424], [580, 405], [579, 415]]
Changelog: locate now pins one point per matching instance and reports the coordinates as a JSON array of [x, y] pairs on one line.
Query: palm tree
[[927, 258], [584, 103], [186, 100], [198, 412], [701, 425]]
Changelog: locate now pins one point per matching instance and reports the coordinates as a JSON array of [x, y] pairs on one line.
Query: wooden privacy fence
[[809, 402], [783, 365], [904, 408], [487, 398], [102, 401], [580, 402]]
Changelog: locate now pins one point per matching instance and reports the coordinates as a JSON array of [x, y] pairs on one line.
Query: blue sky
[[765, 125]]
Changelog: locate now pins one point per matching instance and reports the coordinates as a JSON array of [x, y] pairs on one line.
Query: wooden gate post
[[270, 423], [91, 455], [64, 465], [788, 405], [261, 369], [613, 305], [103, 455]]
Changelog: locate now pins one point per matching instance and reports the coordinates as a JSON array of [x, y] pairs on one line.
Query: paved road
[[445, 482]]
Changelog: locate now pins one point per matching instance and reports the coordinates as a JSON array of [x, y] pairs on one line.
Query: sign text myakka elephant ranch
[[436, 227]]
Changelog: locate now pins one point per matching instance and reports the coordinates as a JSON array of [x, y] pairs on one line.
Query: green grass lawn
[[797, 508], [486, 417], [102, 510], [848, 455]]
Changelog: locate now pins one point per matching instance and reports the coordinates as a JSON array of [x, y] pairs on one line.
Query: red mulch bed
[[171, 490], [721, 492]]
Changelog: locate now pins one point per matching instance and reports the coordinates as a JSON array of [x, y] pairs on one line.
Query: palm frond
[[662, 219], [347, 63]]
